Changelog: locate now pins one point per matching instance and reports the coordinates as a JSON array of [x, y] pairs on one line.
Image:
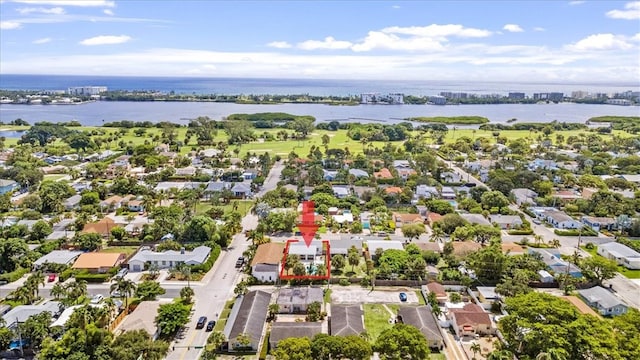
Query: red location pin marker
[[308, 227]]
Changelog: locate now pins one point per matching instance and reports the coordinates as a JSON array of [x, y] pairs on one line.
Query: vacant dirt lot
[[356, 295]]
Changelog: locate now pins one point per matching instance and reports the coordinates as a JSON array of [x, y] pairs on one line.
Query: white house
[[266, 262], [560, 220], [622, 254], [604, 301], [506, 222], [169, 259]]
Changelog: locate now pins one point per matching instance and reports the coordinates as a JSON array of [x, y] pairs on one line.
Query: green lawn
[[420, 297], [120, 249], [224, 315], [376, 320], [54, 177], [243, 207], [438, 356], [630, 274]]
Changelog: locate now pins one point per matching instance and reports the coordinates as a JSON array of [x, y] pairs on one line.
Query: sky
[[516, 41]]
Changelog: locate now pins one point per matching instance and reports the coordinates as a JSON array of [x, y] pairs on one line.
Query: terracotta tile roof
[[463, 248], [96, 260], [103, 227], [512, 248], [434, 217], [437, 288], [408, 218], [316, 219], [393, 190], [464, 318], [429, 246], [270, 253], [384, 173]]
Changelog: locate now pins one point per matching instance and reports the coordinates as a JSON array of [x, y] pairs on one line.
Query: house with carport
[[168, 259], [604, 301], [621, 254]]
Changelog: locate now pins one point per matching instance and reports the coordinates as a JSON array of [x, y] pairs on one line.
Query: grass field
[[121, 249], [224, 315], [54, 177], [338, 139], [243, 207], [376, 320]]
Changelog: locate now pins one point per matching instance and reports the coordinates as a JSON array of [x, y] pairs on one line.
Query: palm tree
[[126, 288], [77, 289], [33, 283], [475, 347], [58, 291], [22, 294], [437, 234], [110, 305], [500, 355]]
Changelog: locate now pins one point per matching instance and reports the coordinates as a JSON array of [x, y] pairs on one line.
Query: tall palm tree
[[475, 347], [34, 281], [437, 234], [126, 288], [22, 294], [77, 289], [58, 291]]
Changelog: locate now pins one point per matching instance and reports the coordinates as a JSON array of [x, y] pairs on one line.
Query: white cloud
[[105, 40], [108, 12], [576, 2], [601, 42], [81, 3], [41, 10], [438, 31], [395, 6], [631, 12], [636, 37], [42, 41], [389, 41], [279, 44], [328, 43], [512, 28], [538, 28], [10, 25]]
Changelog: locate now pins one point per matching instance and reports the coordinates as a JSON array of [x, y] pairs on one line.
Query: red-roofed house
[[393, 190], [433, 218], [471, 320], [384, 173]]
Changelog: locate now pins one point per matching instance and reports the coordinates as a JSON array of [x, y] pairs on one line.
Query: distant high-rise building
[[516, 95], [579, 94], [552, 96], [437, 100], [376, 98], [86, 90]]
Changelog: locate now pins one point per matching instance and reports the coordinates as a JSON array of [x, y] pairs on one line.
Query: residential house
[[21, 313], [296, 300], [357, 173], [168, 259], [341, 192], [346, 320], [111, 203], [524, 196], [135, 205], [436, 288], [599, 223], [542, 164], [476, 219], [427, 246], [604, 301], [72, 203], [447, 193], [329, 175], [285, 330], [487, 294], [406, 219], [63, 257], [403, 167], [426, 192], [342, 246], [383, 174], [555, 263], [216, 187], [248, 316], [512, 249], [631, 178], [102, 227], [343, 217], [143, 318], [7, 186], [561, 220], [384, 245], [622, 254], [265, 265], [433, 218], [361, 191], [393, 190], [186, 171], [566, 195], [506, 222], [450, 177], [464, 248], [98, 262], [545, 277], [241, 190], [28, 223], [422, 319], [470, 320], [250, 174], [122, 160]]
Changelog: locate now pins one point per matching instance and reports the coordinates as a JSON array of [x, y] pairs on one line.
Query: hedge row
[[93, 278], [575, 232], [206, 266], [14, 275], [63, 276], [520, 232]]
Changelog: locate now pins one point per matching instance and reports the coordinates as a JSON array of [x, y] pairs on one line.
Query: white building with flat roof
[[622, 254], [86, 90]]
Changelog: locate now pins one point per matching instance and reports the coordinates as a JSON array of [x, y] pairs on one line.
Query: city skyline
[[573, 41]]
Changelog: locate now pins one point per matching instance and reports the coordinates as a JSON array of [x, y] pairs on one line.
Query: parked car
[[537, 221], [239, 262], [96, 299], [121, 273], [403, 297], [210, 325], [51, 278], [201, 321]]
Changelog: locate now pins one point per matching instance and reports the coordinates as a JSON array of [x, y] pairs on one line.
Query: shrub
[[520, 232], [93, 278], [590, 246], [344, 282], [14, 275], [63, 276], [206, 266]]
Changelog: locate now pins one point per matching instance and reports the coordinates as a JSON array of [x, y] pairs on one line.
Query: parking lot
[[354, 295]]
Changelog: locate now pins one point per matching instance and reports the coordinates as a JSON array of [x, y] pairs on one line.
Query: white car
[[96, 299]]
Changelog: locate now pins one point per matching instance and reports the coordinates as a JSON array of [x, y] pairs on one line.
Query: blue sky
[[574, 41]]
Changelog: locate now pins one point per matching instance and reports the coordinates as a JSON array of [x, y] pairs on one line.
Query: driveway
[[357, 295]]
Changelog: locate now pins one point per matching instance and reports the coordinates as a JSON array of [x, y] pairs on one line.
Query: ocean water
[[97, 113], [317, 87]]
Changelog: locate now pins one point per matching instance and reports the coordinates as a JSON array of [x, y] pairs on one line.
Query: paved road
[[216, 288]]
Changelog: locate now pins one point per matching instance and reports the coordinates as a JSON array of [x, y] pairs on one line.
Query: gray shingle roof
[[197, 256], [300, 295], [248, 316], [58, 257], [601, 296], [284, 330], [421, 318], [22, 312], [346, 320]]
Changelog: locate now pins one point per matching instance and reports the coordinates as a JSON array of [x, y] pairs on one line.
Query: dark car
[[403, 297], [240, 262], [210, 325], [201, 322]]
